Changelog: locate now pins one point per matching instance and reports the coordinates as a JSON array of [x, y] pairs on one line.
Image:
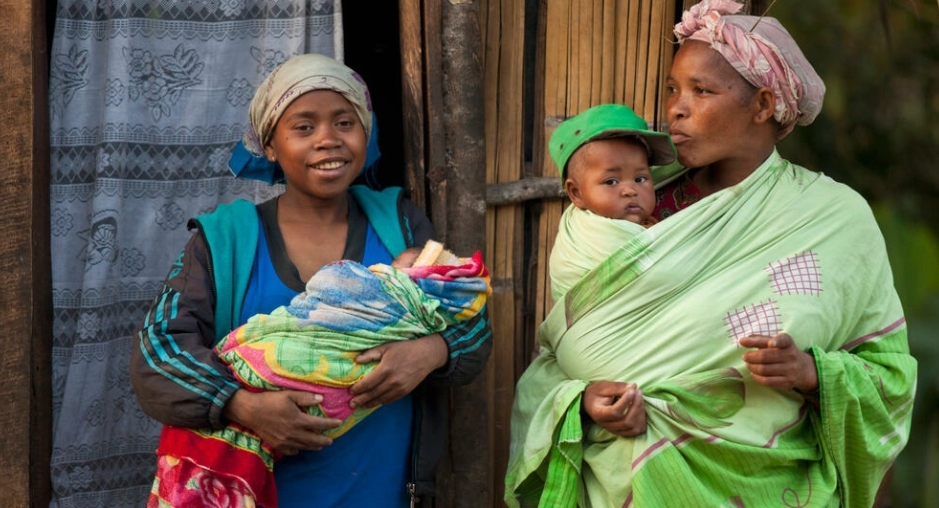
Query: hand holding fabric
[[402, 366], [779, 363], [281, 420], [617, 407]]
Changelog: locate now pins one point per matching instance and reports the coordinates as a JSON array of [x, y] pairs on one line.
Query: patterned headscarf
[[293, 78], [763, 52]]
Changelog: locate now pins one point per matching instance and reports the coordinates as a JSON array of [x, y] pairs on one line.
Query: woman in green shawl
[[748, 351]]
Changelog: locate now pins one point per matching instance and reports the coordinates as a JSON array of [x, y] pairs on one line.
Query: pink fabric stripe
[[802, 412], [660, 443], [629, 500], [896, 324]]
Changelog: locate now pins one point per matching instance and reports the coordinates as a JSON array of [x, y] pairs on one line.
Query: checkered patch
[[799, 274], [757, 319]]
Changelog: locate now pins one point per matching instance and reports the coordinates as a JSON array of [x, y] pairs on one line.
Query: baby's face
[[611, 177]]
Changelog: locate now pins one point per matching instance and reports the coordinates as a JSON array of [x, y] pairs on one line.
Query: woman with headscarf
[[748, 351], [310, 123]]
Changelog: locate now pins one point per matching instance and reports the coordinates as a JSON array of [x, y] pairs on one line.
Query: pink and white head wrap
[[763, 52]]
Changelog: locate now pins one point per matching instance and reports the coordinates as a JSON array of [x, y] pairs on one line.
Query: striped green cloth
[[786, 250]]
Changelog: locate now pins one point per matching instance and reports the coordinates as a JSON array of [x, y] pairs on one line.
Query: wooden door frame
[[26, 288]]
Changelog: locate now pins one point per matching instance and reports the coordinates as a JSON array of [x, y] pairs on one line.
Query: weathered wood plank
[[433, 96], [25, 266], [464, 137], [412, 97]]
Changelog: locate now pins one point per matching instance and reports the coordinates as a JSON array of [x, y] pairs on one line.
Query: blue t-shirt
[[368, 465]]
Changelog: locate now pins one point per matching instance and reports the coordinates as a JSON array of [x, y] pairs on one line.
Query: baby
[[604, 156]]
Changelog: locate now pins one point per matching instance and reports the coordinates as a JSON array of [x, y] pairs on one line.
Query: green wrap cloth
[[786, 250], [584, 240]]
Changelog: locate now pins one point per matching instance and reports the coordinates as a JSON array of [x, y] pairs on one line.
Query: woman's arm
[[469, 344], [179, 379], [176, 374]]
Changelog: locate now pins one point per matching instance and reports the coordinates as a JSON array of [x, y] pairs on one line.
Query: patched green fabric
[[786, 250]]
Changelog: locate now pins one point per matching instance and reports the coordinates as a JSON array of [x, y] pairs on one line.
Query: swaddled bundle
[[311, 345]]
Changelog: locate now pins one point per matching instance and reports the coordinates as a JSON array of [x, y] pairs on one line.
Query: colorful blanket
[[786, 250], [311, 345]]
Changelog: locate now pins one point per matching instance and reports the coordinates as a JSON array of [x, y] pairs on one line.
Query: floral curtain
[[147, 99]]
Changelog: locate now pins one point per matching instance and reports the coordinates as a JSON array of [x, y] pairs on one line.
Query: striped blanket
[[786, 250], [311, 345]]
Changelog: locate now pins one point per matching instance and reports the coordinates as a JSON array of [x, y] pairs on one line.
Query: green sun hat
[[607, 121]]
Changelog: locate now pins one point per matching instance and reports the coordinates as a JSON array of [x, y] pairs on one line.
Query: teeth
[[329, 165]]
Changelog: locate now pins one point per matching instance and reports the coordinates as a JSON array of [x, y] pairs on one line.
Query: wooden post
[[25, 260], [465, 163], [412, 96]]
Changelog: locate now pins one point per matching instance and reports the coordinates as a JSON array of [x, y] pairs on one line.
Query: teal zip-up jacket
[[179, 379]]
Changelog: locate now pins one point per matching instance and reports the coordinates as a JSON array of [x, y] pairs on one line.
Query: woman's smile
[[329, 165]]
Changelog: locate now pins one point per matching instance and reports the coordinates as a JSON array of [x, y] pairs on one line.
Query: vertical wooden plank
[[525, 343], [504, 92], [632, 66], [596, 51], [608, 51], [435, 150], [665, 51], [464, 138], [574, 54], [25, 263], [556, 82], [621, 14], [578, 96], [412, 100], [642, 55]]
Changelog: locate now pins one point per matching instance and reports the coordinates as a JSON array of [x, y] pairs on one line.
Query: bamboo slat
[[608, 51], [666, 49], [642, 60], [632, 51], [503, 24], [661, 29]]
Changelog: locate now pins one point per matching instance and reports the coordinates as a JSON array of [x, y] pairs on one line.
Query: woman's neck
[[726, 173], [294, 207], [314, 231]]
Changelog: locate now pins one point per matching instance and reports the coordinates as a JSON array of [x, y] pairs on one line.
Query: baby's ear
[[573, 193]]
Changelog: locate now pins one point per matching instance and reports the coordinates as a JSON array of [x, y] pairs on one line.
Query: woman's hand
[[617, 407], [777, 362], [280, 419], [402, 365]]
